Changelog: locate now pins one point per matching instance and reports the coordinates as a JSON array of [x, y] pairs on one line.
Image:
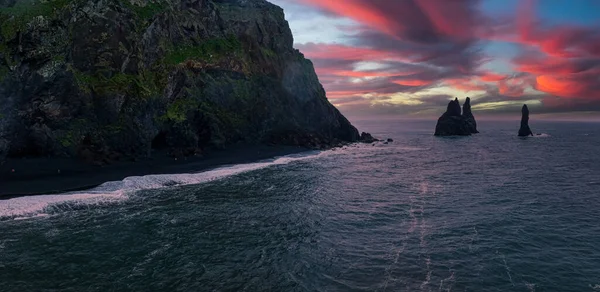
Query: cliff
[[104, 80]]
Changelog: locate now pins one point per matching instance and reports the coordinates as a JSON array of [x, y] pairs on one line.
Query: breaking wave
[[36, 206]]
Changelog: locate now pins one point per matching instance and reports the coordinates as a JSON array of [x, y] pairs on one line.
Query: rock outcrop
[[453, 123], [367, 138], [525, 131], [113, 79], [468, 115]]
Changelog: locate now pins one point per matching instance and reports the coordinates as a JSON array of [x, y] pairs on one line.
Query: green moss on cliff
[[143, 85], [15, 19], [268, 53], [8, 61], [209, 50], [218, 114], [73, 135], [67, 139], [178, 111], [3, 72], [147, 12]]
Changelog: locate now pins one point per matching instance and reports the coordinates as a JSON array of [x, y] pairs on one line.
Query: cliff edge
[[106, 80]]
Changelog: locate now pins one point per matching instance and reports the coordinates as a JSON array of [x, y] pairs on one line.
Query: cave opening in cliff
[[160, 141]]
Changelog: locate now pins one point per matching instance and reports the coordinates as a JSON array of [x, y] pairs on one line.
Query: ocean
[[491, 212]]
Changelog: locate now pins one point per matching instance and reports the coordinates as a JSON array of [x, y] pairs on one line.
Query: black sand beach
[[57, 175]]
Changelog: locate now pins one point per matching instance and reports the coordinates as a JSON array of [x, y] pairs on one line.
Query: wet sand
[[41, 176]]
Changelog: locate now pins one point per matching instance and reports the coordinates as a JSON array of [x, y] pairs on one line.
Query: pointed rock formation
[[525, 131], [468, 115], [453, 108], [452, 123]]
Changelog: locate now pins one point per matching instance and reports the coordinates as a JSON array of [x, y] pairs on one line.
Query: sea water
[[491, 212]]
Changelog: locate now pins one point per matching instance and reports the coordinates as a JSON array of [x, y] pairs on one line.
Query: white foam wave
[[33, 206], [542, 135]]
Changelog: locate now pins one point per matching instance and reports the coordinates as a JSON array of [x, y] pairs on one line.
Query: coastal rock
[[525, 131], [452, 123], [3, 149], [88, 79], [367, 138], [468, 115]]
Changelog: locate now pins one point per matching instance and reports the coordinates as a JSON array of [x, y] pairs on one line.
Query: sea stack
[[452, 122], [525, 131], [468, 115]]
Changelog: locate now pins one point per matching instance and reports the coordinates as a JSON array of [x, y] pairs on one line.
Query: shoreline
[[41, 176]]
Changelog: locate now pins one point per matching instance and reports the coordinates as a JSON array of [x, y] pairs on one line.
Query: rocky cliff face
[[469, 117], [524, 130], [453, 123], [104, 79]]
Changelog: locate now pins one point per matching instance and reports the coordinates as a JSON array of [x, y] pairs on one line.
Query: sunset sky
[[409, 57]]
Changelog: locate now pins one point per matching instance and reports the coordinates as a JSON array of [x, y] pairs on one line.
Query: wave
[[35, 206], [542, 135]]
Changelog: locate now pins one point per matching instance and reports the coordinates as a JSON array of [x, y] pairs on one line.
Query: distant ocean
[[491, 212]]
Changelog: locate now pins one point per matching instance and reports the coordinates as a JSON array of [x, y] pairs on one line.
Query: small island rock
[[525, 131], [452, 123]]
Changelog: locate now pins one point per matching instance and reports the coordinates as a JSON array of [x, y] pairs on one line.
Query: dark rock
[[452, 123], [468, 115], [453, 108], [367, 138], [525, 131], [390, 140], [185, 75]]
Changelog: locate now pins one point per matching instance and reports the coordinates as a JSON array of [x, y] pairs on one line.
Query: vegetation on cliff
[[119, 78]]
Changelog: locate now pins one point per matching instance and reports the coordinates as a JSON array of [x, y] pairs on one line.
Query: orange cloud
[[490, 77], [566, 87], [334, 51], [515, 86], [413, 82], [465, 84]]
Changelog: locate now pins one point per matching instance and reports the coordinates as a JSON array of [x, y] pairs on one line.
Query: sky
[[410, 57]]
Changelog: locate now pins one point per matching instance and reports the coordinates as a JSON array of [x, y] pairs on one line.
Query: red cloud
[[360, 11], [489, 77], [466, 84], [427, 43], [422, 20], [570, 86], [436, 36], [563, 61], [334, 51], [413, 82], [451, 18], [514, 86], [565, 41]]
